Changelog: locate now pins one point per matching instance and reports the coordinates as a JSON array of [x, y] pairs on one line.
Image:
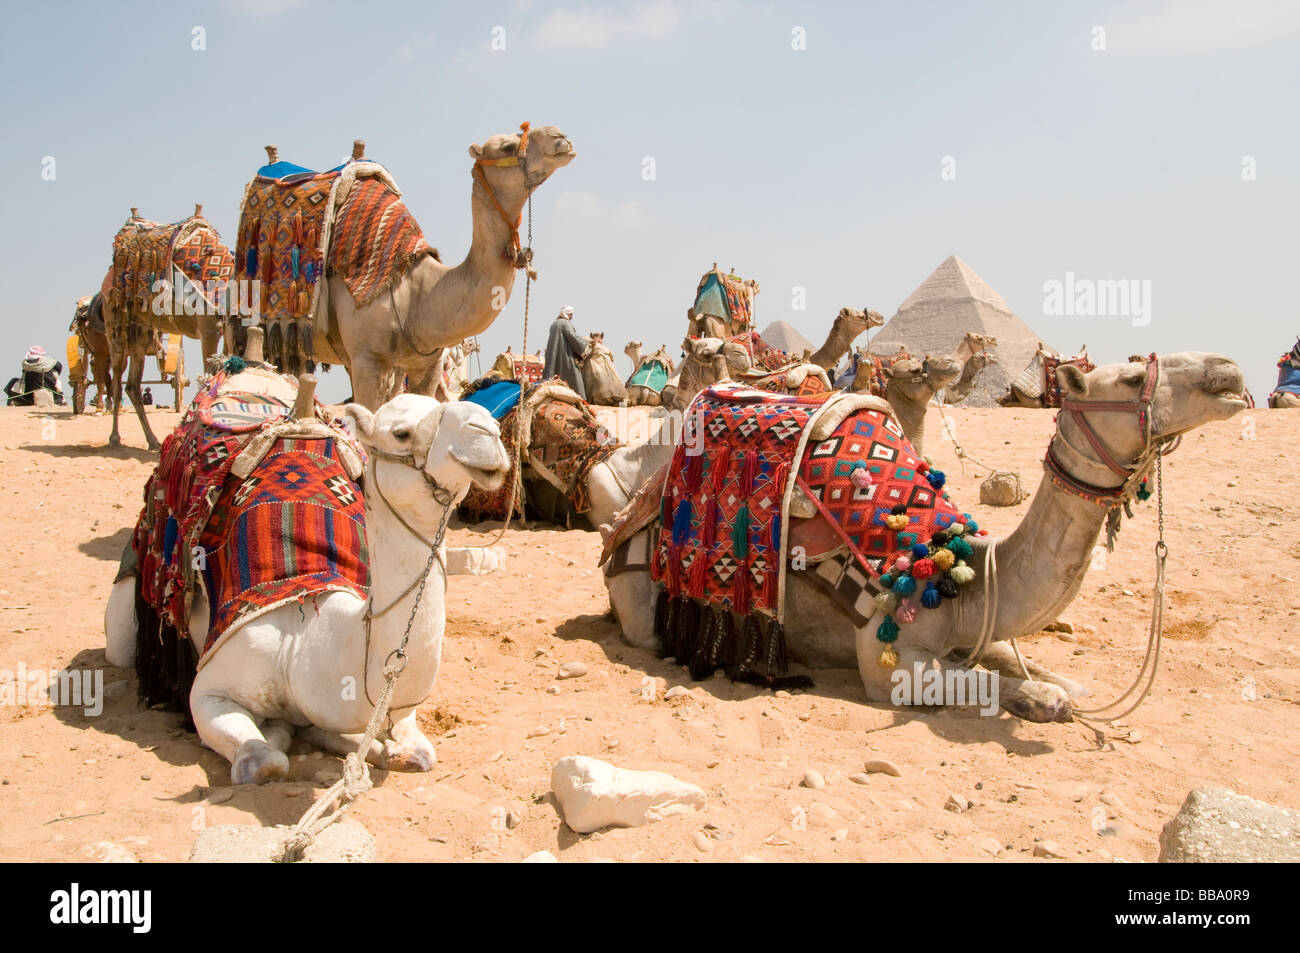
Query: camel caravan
[[778, 517]]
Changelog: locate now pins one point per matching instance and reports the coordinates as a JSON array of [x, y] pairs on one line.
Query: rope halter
[[514, 253]]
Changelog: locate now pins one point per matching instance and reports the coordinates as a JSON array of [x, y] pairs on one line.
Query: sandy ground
[[1223, 710]]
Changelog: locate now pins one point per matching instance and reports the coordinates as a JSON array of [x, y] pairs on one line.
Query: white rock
[[824, 811], [572, 670], [813, 779], [702, 841], [991, 846], [106, 852], [882, 767], [541, 857], [539, 731], [593, 794], [957, 804], [841, 834], [860, 778], [1049, 849], [677, 691]]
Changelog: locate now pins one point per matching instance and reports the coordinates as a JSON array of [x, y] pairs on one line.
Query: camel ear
[[475, 152], [363, 421], [1072, 380]]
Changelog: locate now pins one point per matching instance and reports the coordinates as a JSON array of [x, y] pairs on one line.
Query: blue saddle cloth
[[498, 399]]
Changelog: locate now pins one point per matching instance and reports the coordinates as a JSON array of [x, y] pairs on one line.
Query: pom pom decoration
[[943, 559], [972, 527], [937, 479], [888, 630], [860, 478], [920, 551], [899, 510], [930, 599], [960, 548], [886, 602], [956, 529], [907, 612], [902, 564], [906, 585], [887, 580], [897, 521], [924, 568], [946, 587], [961, 574]]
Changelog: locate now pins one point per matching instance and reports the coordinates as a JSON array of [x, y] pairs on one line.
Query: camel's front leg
[[372, 381], [408, 749], [341, 744], [1000, 657], [230, 730], [134, 376]]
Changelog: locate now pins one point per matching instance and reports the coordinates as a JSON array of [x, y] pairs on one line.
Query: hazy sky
[[1146, 142]]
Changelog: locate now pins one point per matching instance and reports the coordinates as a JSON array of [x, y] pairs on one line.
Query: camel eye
[[510, 148], [402, 434]]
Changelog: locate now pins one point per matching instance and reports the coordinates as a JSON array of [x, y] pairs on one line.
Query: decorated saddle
[[653, 374], [1038, 380], [1288, 373], [296, 226], [563, 440], [186, 254], [256, 507], [728, 298], [830, 477]]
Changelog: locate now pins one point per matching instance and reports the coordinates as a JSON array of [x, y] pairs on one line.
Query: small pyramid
[[944, 307], [782, 335]]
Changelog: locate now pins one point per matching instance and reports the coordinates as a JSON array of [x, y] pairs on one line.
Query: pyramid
[[952, 301], [784, 336]]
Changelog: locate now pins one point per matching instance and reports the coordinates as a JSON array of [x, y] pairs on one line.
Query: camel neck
[[911, 417]]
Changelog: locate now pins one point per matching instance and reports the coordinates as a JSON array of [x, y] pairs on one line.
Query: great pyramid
[[952, 301], [784, 336]]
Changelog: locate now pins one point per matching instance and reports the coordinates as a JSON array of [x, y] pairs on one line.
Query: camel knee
[[120, 624]]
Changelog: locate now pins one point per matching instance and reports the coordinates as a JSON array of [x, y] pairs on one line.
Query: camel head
[[918, 380], [633, 350], [855, 322], [977, 342], [1192, 388], [448, 445], [547, 149], [704, 364]]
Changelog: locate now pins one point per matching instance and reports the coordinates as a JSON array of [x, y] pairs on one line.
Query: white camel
[[287, 670], [1040, 566]]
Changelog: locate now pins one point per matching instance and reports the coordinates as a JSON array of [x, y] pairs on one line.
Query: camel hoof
[[257, 762], [1039, 702], [409, 759]]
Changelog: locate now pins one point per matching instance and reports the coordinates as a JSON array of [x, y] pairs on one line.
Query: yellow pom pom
[[961, 573], [896, 521], [944, 559], [888, 658]]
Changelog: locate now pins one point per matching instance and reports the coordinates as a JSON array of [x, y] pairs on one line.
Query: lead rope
[[1155, 633], [356, 772]]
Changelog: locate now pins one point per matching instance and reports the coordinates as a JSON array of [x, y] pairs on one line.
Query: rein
[[514, 253]]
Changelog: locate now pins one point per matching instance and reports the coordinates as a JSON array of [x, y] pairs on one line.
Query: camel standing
[[403, 332], [282, 670], [1039, 567]]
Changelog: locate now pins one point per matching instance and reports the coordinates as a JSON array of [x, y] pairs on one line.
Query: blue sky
[[818, 168]]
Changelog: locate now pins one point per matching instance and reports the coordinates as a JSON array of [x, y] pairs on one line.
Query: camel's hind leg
[[408, 749], [341, 744], [228, 729], [1001, 657], [134, 377]]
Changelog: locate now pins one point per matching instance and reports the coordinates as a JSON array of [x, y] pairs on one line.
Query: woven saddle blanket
[[295, 228], [146, 252], [652, 375], [762, 356], [1288, 375], [261, 508], [871, 371], [563, 441]]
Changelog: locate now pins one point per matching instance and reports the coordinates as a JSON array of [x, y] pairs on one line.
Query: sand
[[1223, 710]]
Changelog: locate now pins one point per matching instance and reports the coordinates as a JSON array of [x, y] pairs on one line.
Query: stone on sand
[[593, 794], [1218, 825]]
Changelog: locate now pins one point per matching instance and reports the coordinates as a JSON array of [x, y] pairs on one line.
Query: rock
[[702, 841], [489, 843], [677, 691], [593, 794], [513, 820], [841, 835], [541, 857], [883, 767], [538, 732], [219, 795], [824, 811], [1218, 825], [957, 804], [990, 845], [115, 690], [813, 779], [325, 777], [860, 778], [1002, 488], [344, 842], [1048, 848], [106, 852], [572, 670], [1060, 625], [553, 690]]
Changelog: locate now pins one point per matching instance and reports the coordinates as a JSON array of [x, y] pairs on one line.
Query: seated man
[[147, 397], [39, 372]]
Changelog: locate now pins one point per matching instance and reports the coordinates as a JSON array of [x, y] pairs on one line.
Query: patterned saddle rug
[[146, 252], [727, 297], [652, 375], [258, 508], [295, 226], [871, 371], [720, 546], [563, 441]]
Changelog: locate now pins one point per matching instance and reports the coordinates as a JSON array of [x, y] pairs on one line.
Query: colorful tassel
[[740, 533], [905, 586], [886, 602], [931, 598], [961, 574]]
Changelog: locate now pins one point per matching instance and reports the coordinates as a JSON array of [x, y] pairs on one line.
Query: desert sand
[[1223, 709]]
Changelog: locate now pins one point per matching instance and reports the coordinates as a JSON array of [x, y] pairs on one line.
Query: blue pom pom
[[905, 586], [937, 479], [887, 580], [930, 599], [920, 551], [972, 526]]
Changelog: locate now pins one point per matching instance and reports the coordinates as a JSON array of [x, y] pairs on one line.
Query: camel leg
[[408, 749], [209, 338], [372, 381], [118, 360], [228, 729], [278, 734], [428, 382], [341, 744], [137, 400], [1001, 658]]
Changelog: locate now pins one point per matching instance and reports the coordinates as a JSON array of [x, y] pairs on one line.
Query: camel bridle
[[517, 255]]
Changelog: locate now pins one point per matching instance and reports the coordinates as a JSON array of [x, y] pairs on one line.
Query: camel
[[714, 314], [1040, 566], [92, 342], [1035, 386], [133, 326], [848, 324], [643, 395], [973, 352], [602, 382], [1287, 392], [434, 306], [282, 670]]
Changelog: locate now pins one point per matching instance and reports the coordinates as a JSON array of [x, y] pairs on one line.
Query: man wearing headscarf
[[564, 346], [40, 372]]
